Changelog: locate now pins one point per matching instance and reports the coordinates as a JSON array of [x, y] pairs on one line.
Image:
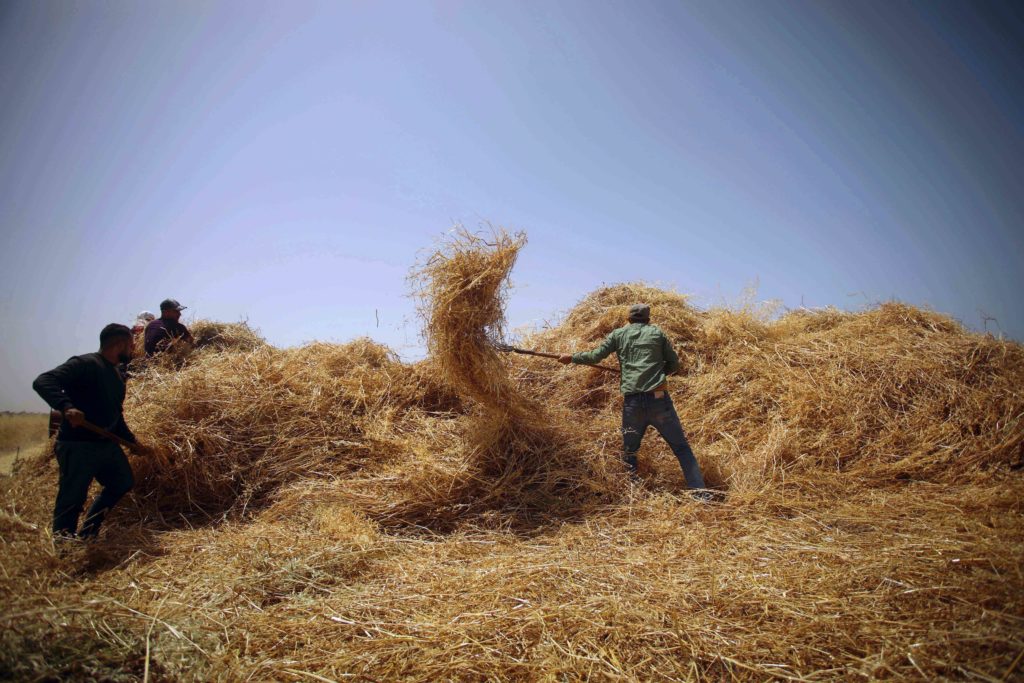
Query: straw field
[[20, 433], [20, 430], [331, 513]]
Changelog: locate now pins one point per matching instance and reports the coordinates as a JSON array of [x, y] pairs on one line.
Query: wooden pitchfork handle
[[527, 352], [107, 435]]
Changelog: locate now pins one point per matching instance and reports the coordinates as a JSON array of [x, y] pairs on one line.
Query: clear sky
[[284, 162]]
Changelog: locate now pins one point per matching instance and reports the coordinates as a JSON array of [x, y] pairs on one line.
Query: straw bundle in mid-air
[[517, 454], [462, 288]]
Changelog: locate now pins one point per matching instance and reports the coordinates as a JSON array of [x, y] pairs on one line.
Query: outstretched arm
[[607, 347]]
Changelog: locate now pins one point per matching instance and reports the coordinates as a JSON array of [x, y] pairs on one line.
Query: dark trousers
[[641, 410], [80, 462]]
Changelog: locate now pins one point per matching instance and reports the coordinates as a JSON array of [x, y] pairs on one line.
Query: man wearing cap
[[90, 389], [646, 357], [166, 329]]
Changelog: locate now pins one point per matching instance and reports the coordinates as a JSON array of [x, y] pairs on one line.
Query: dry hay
[[461, 286], [894, 392], [517, 454], [329, 512], [221, 336], [245, 422]]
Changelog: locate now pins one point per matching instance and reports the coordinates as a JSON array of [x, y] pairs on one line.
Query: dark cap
[[639, 313], [171, 305]]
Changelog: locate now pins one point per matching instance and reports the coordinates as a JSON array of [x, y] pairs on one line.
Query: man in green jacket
[[646, 358]]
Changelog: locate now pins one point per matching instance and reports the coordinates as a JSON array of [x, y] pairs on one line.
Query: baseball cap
[[639, 313], [171, 305]]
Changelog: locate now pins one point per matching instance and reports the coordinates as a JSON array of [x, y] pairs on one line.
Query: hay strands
[[514, 349]]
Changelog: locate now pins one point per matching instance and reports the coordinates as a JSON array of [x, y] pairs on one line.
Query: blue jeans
[[641, 410]]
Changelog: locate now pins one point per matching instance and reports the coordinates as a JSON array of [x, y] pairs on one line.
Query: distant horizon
[[776, 307]]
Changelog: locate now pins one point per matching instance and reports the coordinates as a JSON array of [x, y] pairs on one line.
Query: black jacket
[[162, 332], [91, 384]]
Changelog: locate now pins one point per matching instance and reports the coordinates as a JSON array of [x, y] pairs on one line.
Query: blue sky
[[286, 163]]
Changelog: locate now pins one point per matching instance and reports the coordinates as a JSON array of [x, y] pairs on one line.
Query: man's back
[[646, 358], [645, 354], [91, 384]]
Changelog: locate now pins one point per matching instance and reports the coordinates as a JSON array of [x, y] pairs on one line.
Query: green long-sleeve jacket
[[646, 356]]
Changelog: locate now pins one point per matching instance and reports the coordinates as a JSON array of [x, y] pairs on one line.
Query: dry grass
[[20, 430], [331, 513], [21, 435]]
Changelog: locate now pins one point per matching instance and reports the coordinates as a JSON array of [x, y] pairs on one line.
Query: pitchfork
[[513, 349]]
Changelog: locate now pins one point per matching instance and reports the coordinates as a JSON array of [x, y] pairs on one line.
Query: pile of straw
[[329, 512], [516, 453], [891, 393], [232, 425], [462, 288]]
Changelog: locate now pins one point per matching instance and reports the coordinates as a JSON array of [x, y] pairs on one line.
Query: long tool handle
[[106, 435], [537, 353], [556, 357]]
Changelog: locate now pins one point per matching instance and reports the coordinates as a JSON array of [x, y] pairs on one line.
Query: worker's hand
[[140, 449], [75, 416], [565, 359]]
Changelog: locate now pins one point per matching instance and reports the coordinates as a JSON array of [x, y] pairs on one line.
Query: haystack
[[331, 513]]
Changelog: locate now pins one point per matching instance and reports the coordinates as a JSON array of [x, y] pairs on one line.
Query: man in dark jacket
[[166, 329], [646, 358], [90, 388]]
